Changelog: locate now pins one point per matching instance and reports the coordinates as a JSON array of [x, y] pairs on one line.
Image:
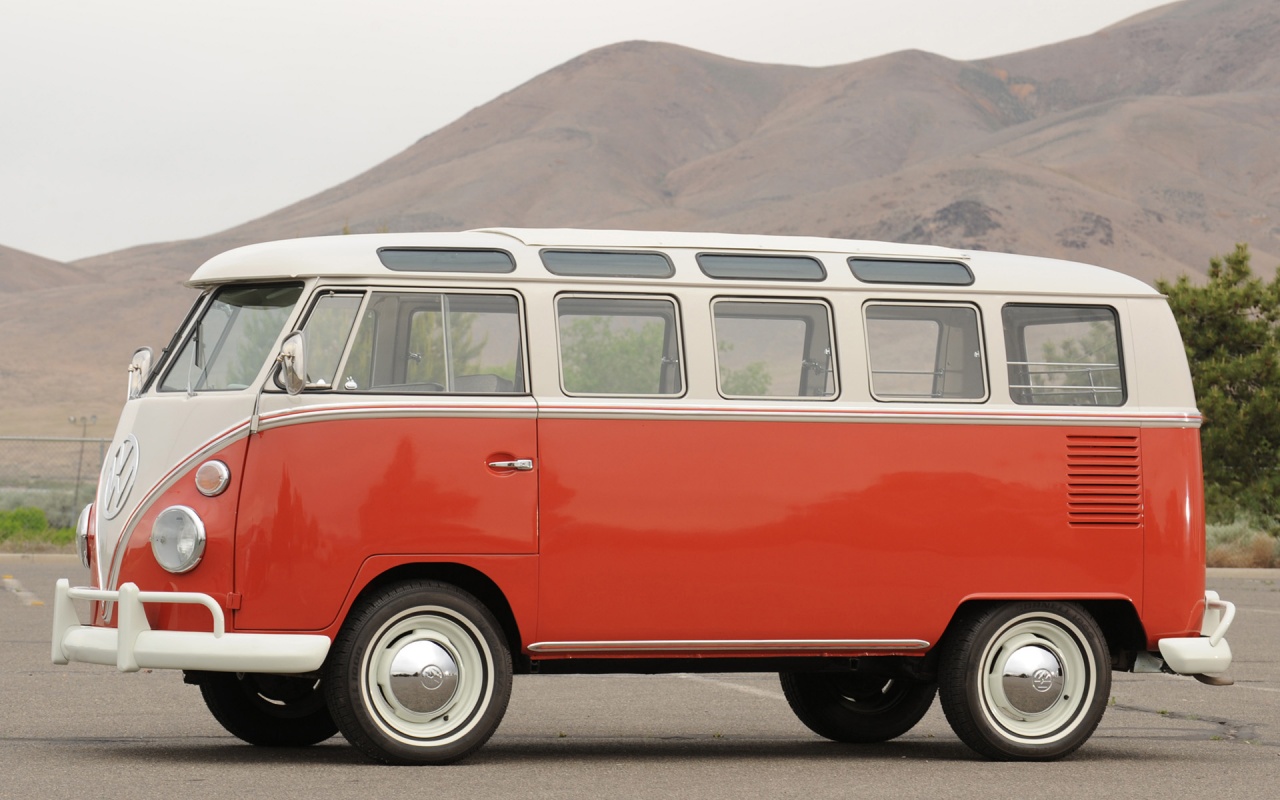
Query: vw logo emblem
[[121, 469], [432, 677], [1042, 680]]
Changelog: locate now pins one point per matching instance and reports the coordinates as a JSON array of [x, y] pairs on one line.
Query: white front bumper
[[133, 645], [1208, 653]]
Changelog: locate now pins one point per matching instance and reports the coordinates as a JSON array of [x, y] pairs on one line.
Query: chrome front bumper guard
[[132, 645], [1208, 653]]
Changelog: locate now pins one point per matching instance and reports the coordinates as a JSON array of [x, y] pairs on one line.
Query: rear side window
[[925, 352], [619, 346], [774, 349], [1064, 355]]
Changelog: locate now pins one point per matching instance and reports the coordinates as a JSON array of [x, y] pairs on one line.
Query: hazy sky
[[134, 121]]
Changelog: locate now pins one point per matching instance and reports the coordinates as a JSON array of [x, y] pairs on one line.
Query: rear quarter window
[[1064, 355]]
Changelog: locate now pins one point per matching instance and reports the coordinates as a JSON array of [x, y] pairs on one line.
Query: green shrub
[[22, 522], [27, 529]]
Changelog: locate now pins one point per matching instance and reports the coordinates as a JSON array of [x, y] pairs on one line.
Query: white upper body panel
[[357, 256]]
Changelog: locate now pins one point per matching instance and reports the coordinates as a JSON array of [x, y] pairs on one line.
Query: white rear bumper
[[133, 645], [1208, 653]]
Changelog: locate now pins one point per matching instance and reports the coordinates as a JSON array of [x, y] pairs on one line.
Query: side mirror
[[293, 363], [139, 369]]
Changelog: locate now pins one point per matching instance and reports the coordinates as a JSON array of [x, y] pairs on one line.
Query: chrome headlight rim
[[82, 535], [178, 539]]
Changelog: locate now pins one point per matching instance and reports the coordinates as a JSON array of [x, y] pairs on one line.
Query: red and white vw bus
[[371, 477]]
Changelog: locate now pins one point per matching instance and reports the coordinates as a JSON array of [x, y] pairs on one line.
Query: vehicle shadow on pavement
[[523, 750]]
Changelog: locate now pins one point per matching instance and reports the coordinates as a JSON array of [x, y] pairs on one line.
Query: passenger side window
[[925, 352], [774, 349], [619, 346], [1063, 355], [420, 342]]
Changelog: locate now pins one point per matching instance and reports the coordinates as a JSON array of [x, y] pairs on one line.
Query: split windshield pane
[[231, 343]]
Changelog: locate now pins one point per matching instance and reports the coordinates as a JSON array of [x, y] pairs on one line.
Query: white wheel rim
[[467, 649], [1068, 645]]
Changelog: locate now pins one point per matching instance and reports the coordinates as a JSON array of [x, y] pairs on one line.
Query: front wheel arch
[[468, 579]]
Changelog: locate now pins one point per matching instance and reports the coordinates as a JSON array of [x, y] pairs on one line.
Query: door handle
[[520, 464]]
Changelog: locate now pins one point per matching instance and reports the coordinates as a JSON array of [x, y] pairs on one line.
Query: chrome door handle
[[521, 464]]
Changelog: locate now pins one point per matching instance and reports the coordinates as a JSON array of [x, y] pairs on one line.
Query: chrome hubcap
[[424, 677], [1033, 679]]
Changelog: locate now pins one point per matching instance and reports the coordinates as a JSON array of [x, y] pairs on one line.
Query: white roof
[[356, 256]]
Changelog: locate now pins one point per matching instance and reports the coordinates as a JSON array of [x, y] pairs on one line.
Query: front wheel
[[419, 674], [1025, 681], [856, 708], [268, 710]]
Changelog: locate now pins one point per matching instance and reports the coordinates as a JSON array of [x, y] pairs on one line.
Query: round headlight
[[212, 478], [82, 535], [177, 539]]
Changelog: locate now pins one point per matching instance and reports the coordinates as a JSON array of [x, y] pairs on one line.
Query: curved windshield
[[227, 348]]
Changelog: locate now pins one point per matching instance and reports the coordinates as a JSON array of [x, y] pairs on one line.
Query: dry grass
[[34, 546], [1241, 544]]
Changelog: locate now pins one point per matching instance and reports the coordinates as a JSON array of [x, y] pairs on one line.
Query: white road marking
[[27, 598], [735, 686]]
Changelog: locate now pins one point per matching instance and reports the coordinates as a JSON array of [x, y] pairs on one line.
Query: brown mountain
[[1146, 147], [24, 272]]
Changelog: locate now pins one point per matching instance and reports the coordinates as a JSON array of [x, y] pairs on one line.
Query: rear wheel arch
[[1117, 618], [1120, 623]]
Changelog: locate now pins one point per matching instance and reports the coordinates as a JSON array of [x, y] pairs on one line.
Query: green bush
[[22, 522], [27, 528]]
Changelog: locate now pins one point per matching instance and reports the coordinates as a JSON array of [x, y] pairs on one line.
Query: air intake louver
[[1104, 481]]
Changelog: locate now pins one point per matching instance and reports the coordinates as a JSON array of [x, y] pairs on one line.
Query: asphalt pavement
[[86, 731]]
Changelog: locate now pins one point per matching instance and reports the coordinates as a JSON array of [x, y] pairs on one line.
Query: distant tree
[[1231, 329], [601, 357], [750, 380]]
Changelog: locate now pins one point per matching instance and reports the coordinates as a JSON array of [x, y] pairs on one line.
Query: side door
[[670, 523], [416, 436]]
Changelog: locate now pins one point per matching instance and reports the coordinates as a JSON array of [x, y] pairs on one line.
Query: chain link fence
[[57, 475]]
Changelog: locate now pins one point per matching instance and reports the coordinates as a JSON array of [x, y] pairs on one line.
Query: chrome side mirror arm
[[291, 361], [139, 371]]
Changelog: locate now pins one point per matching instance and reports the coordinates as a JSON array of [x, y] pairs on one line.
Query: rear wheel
[[419, 674], [856, 708], [1025, 681], [268, 710]]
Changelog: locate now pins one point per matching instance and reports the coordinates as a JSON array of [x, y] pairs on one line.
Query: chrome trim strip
[[951, 416], [728, 645], [685, 411], [347, 411]]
